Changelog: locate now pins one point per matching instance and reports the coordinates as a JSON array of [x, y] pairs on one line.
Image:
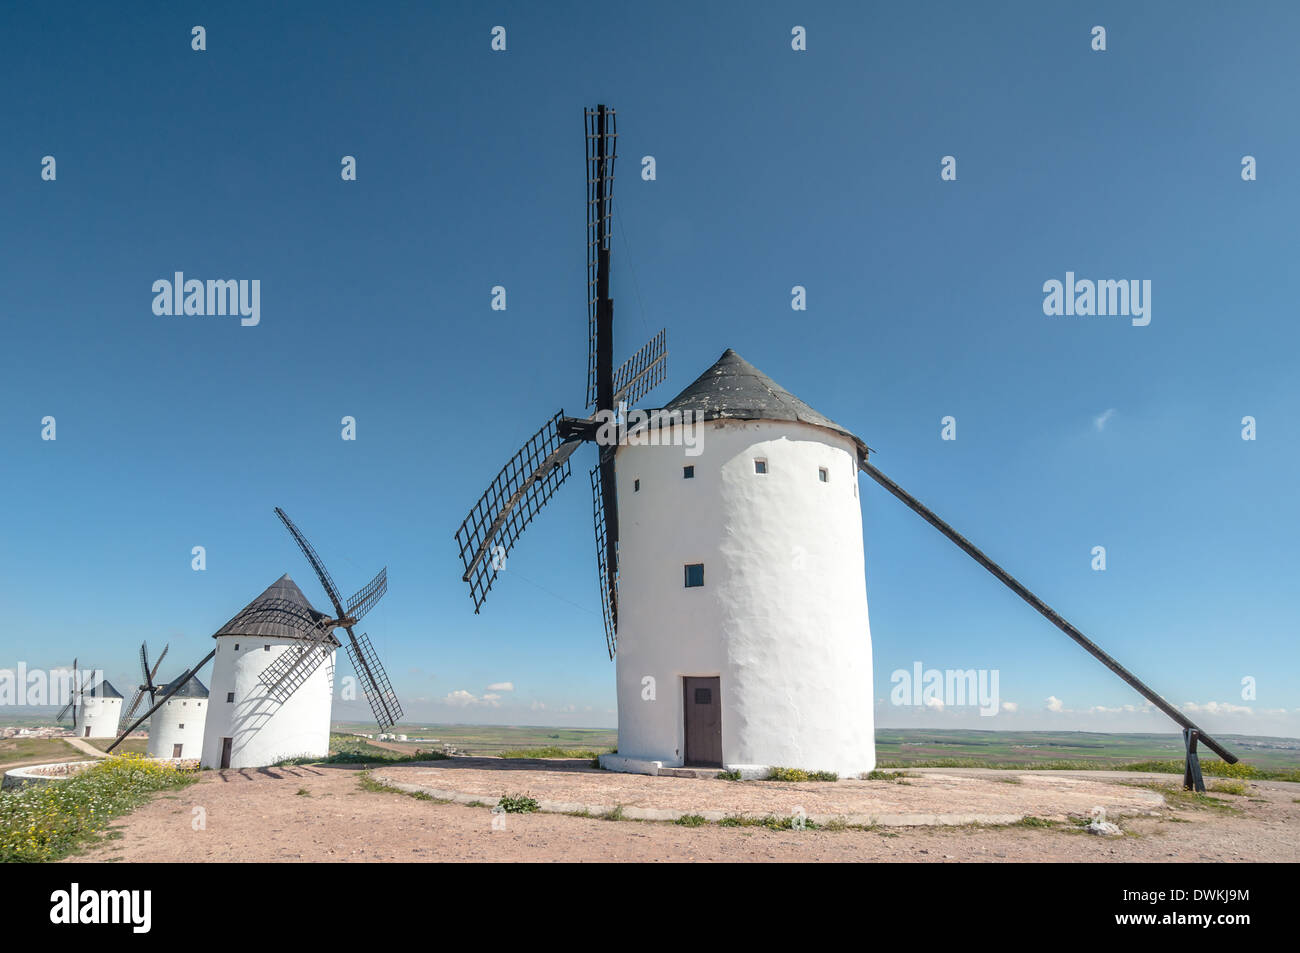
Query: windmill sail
[[608, 581], [379, 691], [533, 475], [641, 372], [505, 509], [601, 138]]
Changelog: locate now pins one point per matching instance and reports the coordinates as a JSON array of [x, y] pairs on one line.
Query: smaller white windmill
[[96, 710]]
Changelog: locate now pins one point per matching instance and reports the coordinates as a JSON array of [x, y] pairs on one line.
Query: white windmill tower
[[176, 728], [272, 682], [246, 725], [743, 633], [273, 674], [176, 722], [96, 709], [733, 583]]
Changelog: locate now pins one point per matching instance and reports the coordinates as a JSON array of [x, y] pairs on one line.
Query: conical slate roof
[[281, 612], [735, 389], [192, 688], [105, 689]]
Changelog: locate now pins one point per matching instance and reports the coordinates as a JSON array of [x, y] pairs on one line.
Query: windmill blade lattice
[[284, 680], [608, 581], [371, 593], [379, 691], [642, 372], [505, 509], [322, 573], [135, 703]]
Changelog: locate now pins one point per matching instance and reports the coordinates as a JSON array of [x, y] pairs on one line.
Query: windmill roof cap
[[105, 689], [280, 612], [192, 688], [734, 389]]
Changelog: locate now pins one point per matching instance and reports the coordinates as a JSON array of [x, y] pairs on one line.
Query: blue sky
[[775, 168]]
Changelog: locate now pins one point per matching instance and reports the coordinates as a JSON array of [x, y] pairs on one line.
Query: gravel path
[[322, 813]]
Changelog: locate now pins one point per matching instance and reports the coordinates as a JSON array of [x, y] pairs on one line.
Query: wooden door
[[702, 726], [87, 734], [176, 751], [225, 752]]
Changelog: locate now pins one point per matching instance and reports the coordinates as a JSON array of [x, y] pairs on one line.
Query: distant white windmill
[[96, 709]]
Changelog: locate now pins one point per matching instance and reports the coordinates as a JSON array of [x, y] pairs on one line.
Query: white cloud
[[934, 703], [1010, 706], [463, 699], [501, 687], [1103, 418], [1055, 704], [1219, 708]]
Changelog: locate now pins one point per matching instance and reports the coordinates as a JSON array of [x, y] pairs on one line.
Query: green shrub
[[691, 820], [517, 804], [728, 775], [798, 774]]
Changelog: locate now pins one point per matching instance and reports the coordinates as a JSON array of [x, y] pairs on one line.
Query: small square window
[[180, 727], [230, 696], [688, 473], [823, 474], [636, 486], [236, 646], [760, 466], [694, 575], [267, 647]]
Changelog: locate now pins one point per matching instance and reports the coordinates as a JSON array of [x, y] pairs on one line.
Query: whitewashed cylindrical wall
[[180, 721], [262, 730], [100, 716], [782, 615]]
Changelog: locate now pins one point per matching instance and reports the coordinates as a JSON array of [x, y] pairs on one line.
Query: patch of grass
[[1216, 769], [552, 751], [1239, 788], [49, 821], [303, 792], [1036, 822], [691, 820], [370, 784], [614, 815], [771, 822], [798, 774], [517, 804], [1176, 797], [18, 750], [347, 749], [879, 775], [478, 804], [728, 775]]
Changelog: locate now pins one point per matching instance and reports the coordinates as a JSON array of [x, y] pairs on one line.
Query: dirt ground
[[323, 813]]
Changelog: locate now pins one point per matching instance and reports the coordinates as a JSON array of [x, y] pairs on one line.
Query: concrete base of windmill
[[629, 765], [626, 765]]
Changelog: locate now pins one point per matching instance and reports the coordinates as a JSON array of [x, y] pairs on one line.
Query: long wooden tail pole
[[180, 683], [1047, 611]]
